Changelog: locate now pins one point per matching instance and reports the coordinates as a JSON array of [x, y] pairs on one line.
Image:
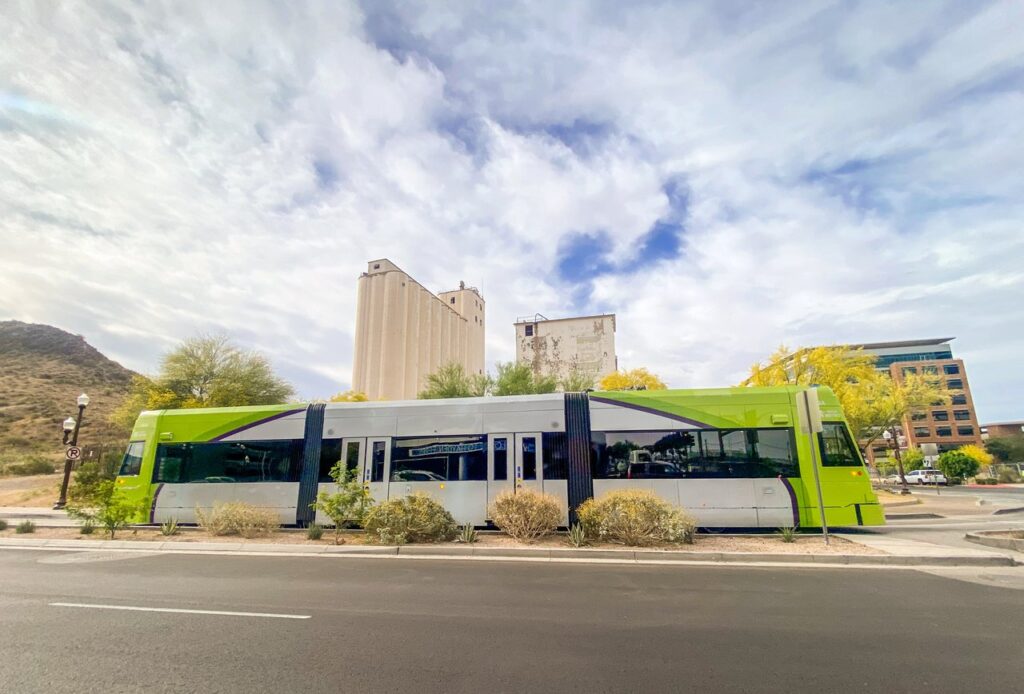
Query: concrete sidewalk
[[899, 553], [42, 516]]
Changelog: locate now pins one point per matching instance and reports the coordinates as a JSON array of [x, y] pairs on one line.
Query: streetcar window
[[248, 461], [377, 473], [331, 455], [836, 447], [703, 454], [439, 458], [132, 461], [501, 458], [556, 456], [529, 458]]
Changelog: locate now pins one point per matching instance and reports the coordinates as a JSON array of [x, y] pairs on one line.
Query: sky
[[724, 176]]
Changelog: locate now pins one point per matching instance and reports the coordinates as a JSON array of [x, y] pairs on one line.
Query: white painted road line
[[178, 611]]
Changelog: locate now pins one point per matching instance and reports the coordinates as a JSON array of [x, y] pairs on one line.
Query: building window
[[922, 432], [962, 415], [955, 384], [930, 370], [951, 369], [529, 331], [965, 431], [453, 299], [918, 416], [940, 416], [959, 399], [882, 451], [944, 431], [909, 370], [376, 266]]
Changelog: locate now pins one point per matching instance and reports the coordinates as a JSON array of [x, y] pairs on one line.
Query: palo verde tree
[[578, 381], [634, 379], [349, 396], [872, 401], [452, 381], [205, 371], [348, 503]]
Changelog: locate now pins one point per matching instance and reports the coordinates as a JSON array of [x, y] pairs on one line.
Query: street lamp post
[[71, 427]]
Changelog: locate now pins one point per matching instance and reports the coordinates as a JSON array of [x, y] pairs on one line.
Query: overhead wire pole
[[811, 425]]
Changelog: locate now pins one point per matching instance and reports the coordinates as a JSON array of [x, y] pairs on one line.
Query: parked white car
[[926, 477]]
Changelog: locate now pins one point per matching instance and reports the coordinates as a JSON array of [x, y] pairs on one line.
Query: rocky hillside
[[42, 370]]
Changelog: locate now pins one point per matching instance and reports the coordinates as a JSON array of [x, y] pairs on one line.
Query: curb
[[539, 554], [1004, 511], [984, 538], [911, 516]]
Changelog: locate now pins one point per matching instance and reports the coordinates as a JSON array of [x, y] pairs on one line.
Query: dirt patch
[[804, 544], [33, 490]]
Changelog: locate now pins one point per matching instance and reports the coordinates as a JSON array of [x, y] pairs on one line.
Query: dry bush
[[526, 515], [238, 518], [636, 518], [414, 518]]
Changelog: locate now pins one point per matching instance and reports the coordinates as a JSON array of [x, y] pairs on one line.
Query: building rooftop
[[904, 343], [538, 318]]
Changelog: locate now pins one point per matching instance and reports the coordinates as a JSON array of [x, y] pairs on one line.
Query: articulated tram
[[733, 457]]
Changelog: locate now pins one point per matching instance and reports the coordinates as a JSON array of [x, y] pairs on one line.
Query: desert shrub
[[414, 518], [238, 518], [985, 480], [1007, 475], [24, 527], [348, 503], [87, 527], [636, 518], [90, 484], [106, 506], [315, 531], [3, 525], [526, 515], [34, 465]]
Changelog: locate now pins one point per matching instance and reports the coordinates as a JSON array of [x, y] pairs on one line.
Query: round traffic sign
[[73, 453]]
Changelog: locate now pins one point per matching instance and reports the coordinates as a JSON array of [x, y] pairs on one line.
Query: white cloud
[[853, 173]]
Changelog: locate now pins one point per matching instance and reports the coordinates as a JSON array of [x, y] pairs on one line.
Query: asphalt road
[[471, 626]]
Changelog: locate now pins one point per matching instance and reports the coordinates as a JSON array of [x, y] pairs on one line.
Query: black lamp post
[[71, 427]]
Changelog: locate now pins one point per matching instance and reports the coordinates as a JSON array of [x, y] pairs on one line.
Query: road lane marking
[[180, 611]]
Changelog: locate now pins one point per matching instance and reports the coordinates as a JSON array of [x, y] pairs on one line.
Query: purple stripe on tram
[[152, 507], [258, 422], [651, 410], [792, 500]]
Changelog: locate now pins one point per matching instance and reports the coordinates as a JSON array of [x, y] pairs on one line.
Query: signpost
[[73, 453], [810, 424]]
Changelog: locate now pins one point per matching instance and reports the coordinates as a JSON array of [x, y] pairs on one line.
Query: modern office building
[[935, 429], [558, 347], [404, 332]]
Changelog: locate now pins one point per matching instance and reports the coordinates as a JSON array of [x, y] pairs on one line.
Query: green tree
[[206, 371], [957, 464], [517, 378], [1006, 449], [634, 379], [348, 504], [578, 381], [452, 381], [913, 459]]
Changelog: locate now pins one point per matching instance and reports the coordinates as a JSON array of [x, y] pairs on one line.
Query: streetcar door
[[529, 461], [377, 467], [350, 450], [500, 464]]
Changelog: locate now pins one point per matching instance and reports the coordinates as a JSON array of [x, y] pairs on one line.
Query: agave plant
[[577, 536], [788, 533], [169, 527], [467, 534]]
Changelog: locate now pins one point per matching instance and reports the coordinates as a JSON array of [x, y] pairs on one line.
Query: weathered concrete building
[[557, 347], [404, 332]]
